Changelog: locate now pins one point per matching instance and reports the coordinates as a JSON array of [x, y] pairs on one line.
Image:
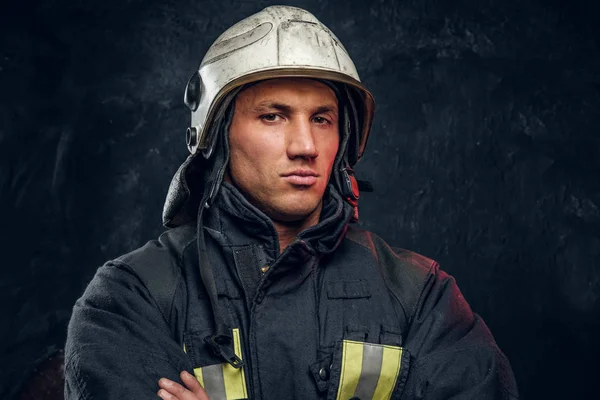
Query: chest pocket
[[223, 381], [368, 371]]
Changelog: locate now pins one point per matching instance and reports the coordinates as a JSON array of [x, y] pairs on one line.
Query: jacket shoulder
[[170, 244], [405, 272], [158, 264]]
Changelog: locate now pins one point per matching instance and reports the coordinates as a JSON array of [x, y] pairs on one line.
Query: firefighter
[[262, 287]]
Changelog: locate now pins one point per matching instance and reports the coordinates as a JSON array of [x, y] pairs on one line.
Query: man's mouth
[[304, 177]]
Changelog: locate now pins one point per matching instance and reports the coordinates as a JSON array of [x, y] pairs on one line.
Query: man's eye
[[269, 117], [321, 120]]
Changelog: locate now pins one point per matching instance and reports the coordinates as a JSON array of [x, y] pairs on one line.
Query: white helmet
[[277, 42]]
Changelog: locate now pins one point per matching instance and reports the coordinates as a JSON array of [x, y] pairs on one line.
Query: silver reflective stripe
[[214, 383], [370, 371]]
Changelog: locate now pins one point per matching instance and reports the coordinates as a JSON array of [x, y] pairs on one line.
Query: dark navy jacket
[[338, 315]]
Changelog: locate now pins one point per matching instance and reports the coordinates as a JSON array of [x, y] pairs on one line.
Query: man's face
[[283, 141]]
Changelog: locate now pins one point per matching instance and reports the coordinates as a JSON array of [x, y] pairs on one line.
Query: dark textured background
[[485, 155]]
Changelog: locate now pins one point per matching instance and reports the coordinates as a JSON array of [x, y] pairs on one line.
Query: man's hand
[[170, 390]]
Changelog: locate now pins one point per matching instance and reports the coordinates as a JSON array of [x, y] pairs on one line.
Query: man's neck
[[287, 231]]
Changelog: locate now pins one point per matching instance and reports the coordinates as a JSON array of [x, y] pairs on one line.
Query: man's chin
[[294, 211], [291, 216]]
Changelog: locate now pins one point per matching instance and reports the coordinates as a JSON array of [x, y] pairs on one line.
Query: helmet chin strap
[[344, 179], [221, 341]]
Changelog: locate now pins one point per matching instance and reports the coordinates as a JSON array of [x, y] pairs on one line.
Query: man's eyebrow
[[267, 106], [326, 109]]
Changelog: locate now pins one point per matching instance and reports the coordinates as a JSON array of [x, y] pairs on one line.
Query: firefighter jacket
[[337, 315]]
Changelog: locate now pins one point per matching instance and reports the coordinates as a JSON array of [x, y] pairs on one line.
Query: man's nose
[[301, 142]]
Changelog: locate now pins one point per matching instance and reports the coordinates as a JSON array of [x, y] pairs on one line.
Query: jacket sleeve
[[118, 343], [453, 353]]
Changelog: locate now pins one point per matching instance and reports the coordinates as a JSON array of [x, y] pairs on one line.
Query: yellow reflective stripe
[[361, 363], [390, 370], [352, 353], [199, 376], [235, 381]]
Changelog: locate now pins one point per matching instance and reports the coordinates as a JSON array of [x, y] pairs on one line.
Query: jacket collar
[[233, 221]]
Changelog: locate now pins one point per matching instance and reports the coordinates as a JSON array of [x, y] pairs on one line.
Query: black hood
[[201, 176]]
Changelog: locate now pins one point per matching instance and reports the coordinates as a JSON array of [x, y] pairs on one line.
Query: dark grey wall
[[485, 155]]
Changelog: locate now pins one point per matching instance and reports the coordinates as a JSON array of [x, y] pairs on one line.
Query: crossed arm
[[454, 354]]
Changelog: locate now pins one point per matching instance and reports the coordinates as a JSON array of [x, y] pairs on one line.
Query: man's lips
[[303, 177]]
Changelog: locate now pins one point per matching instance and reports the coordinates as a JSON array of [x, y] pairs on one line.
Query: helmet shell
[[277, 42]]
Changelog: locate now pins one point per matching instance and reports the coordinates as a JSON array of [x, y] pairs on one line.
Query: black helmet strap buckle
[[350, 191], [221, 343]]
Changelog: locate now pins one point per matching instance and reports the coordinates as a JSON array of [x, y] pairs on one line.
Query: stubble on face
[[283, 141]]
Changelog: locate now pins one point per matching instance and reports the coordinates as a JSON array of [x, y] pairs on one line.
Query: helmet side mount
[[193, 91], [191, 138], [191, 98]]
